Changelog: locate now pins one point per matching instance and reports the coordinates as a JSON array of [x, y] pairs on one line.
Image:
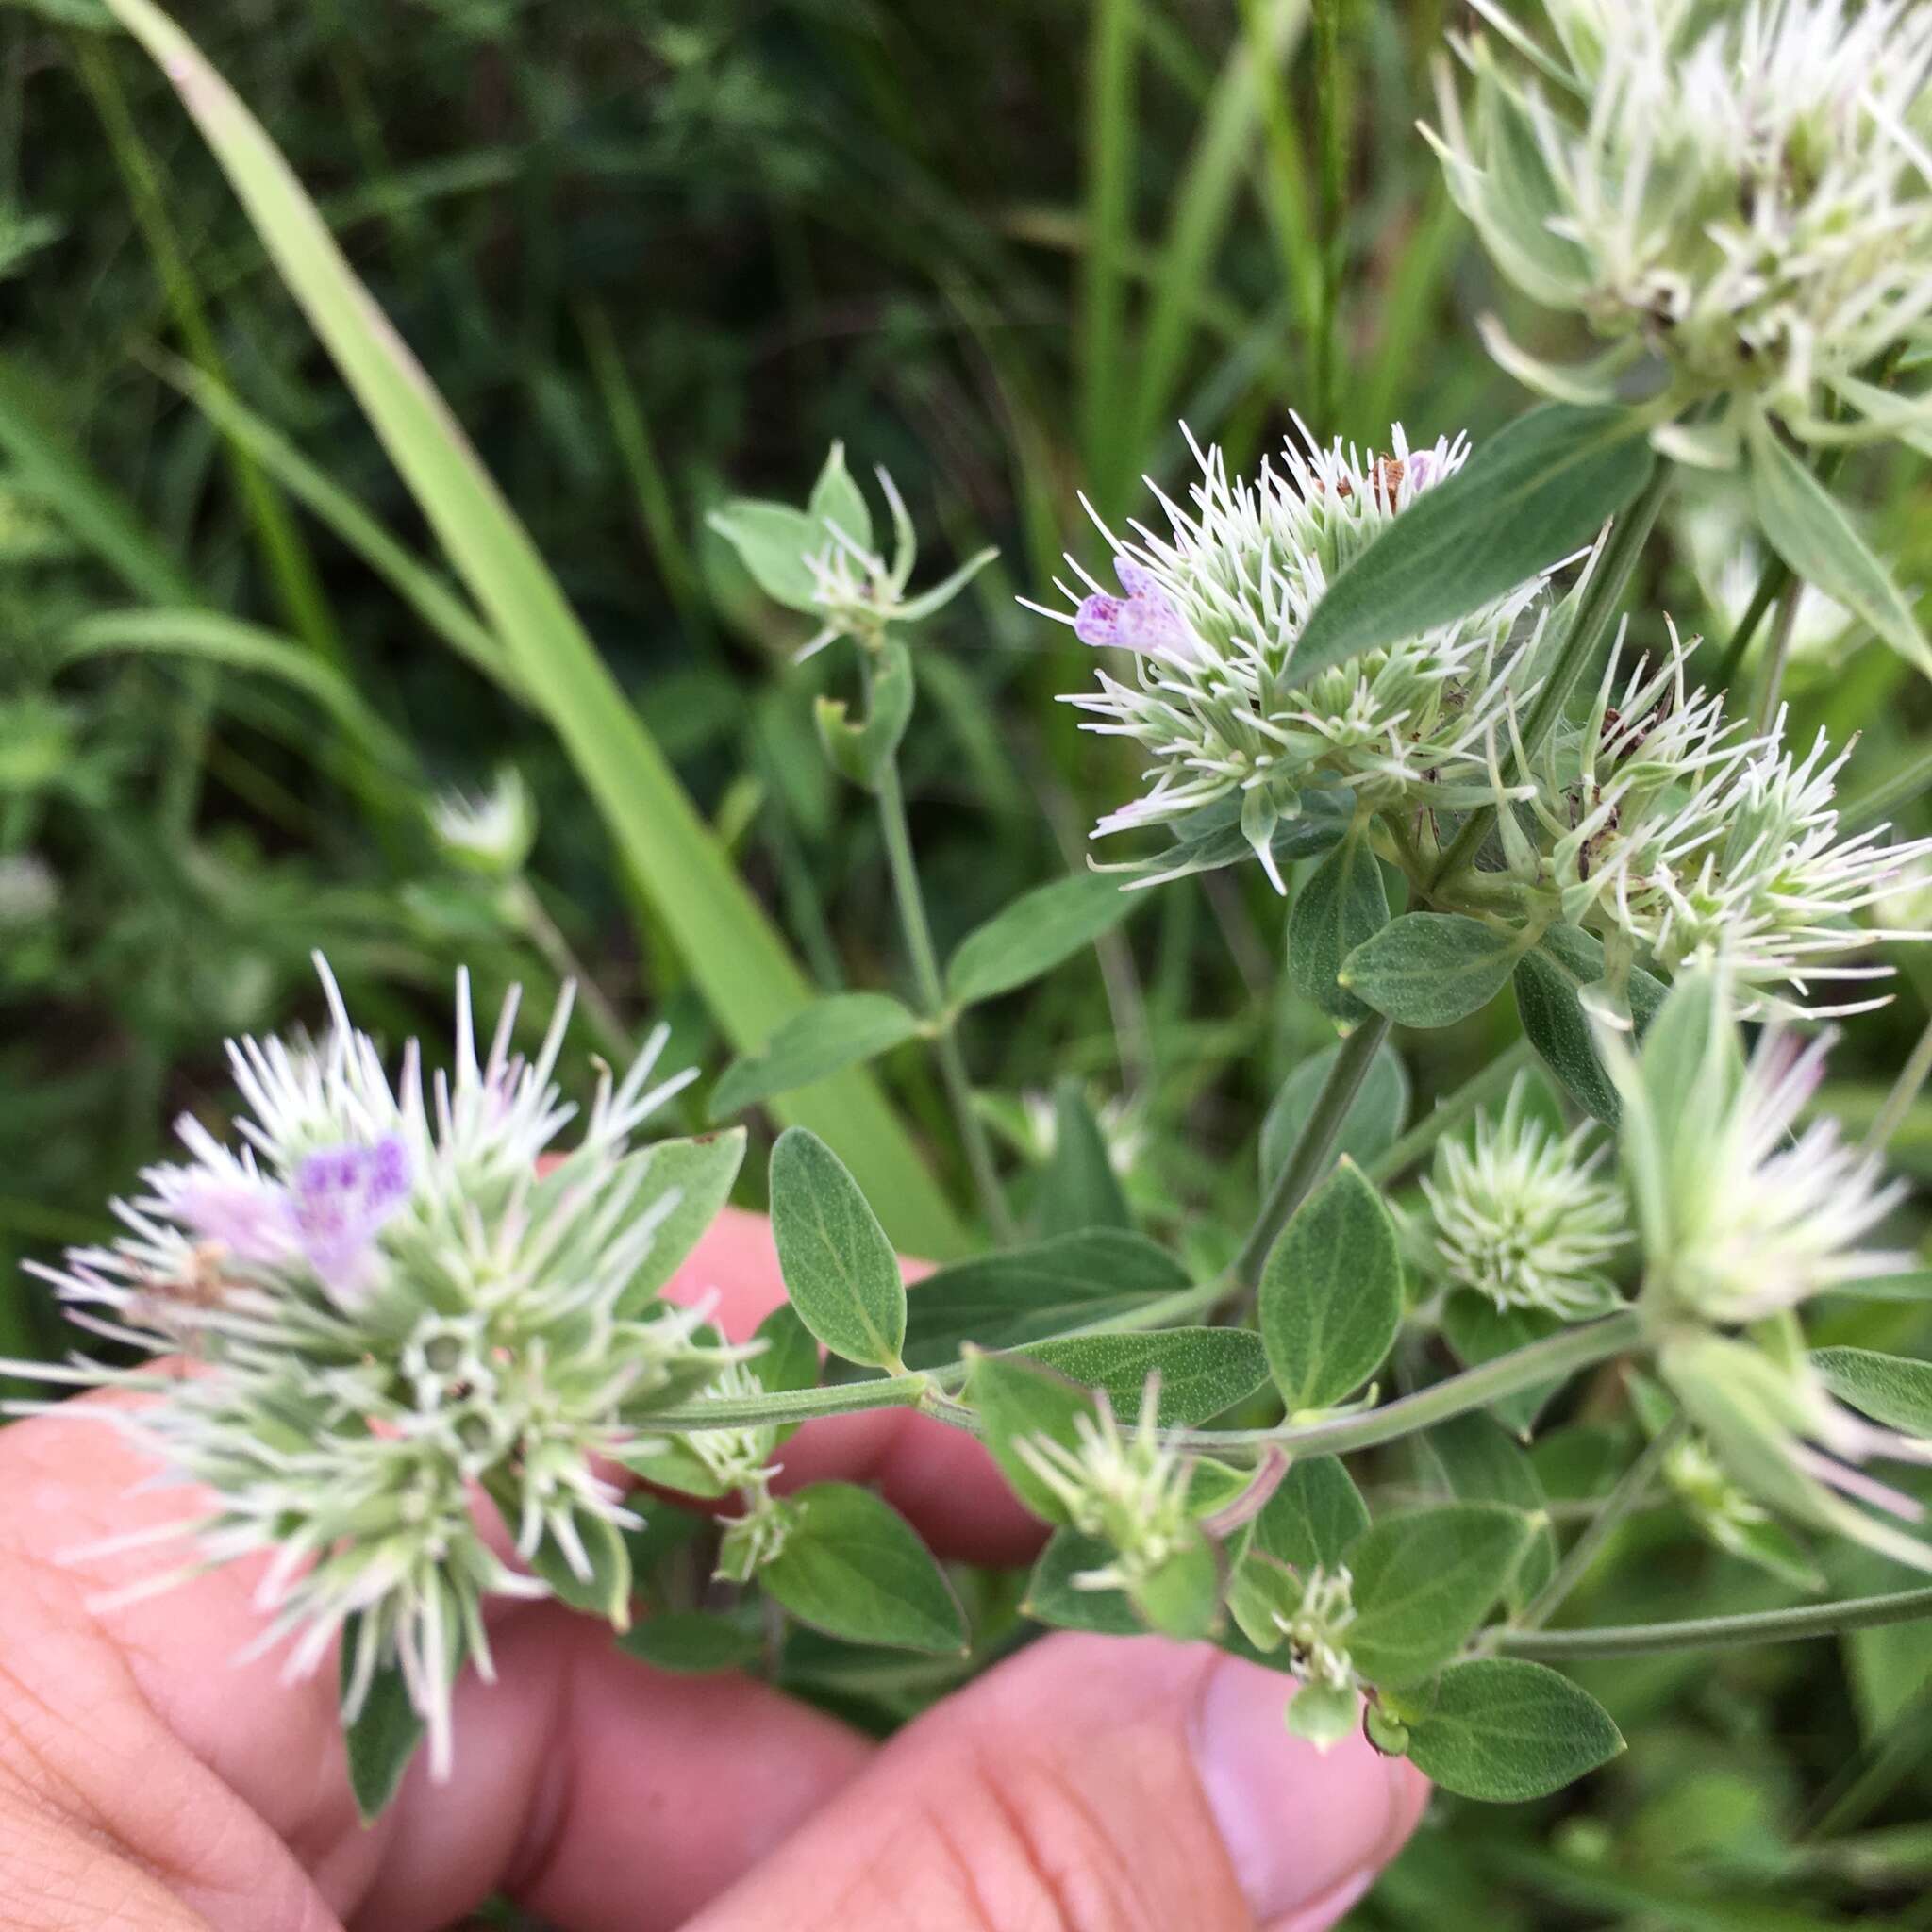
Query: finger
[[601, 1795], [941, 1478], [578, 1766], [1112, 1785]]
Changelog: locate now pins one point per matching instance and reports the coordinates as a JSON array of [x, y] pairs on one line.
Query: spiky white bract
[[1127, 1487], [1207, 616], [1674, 833], [489, 832], [1743, 1212], [1520, 1214], [384, 1307], [1742, 192]]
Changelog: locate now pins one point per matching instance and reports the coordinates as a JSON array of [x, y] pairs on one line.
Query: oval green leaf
[[1505, 1730], [1431, 969], [1033, 935], [830, 1034], [839, 1270]]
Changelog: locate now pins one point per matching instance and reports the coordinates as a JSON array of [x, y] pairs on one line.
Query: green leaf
[[1313, 1516], [1890, 1389], [734, 954], [772, 541], [1524, 500], [694, 1642], [790, 1358], [1053, 1596], [1343, 904], [836, 499], [1431, 969], [839, 1270], [1423, 1581], [1033, 935], [1331, 1293], [1505, 1731], [1803, 522], [1370, 1127], [1078, 1188], [387, 1730], [864, 752], [832, 1033], [1091, 1278], [1478, 1332], [1017, 1400], [1182, 1598], [853, 1567], [606, 1591], [701, 1170], [1550, 980], [1479, 1463], [1203, 1372]]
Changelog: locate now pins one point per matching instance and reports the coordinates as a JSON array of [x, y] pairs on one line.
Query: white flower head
[[1741, 192], [1127, 1487], [1520, 1214], [388, 1307], [1741, 1212], [1670, 830], [490, 832], [1198, 641]]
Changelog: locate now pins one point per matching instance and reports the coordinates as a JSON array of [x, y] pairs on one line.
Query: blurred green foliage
[[653, 253]]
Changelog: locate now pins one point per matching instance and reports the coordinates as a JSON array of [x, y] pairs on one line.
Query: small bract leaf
[[1431, 969], [1331, 1293], [1505, 1730], [1035, 934], [1053, 1597], [852, 1566], [1341, 906], [772, 540], [1423, 1580], [700, 1171], [1017, 1400], [1182, 1598], [839, 1031], [1550, 980], [837, 500], [839, 1270], [1803, 522], [1524, 501], [386, 1732], [606, 1590]]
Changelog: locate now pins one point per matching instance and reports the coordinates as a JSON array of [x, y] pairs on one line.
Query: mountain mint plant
[[378, 1338]]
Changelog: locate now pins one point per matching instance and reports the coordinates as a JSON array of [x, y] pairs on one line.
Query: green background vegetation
[[654, 255]]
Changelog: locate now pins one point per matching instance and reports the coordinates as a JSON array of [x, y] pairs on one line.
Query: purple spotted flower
[[1145, 621], [339, 1201]]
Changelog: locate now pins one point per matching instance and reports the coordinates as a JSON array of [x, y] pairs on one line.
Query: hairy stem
[[1765, 710], [1332, 115], [917, 930], [1630, 1490], [1771, 582], [1601, 596], [560, 957], [1720, 1633], [1304, 1165], [1898, 1102]]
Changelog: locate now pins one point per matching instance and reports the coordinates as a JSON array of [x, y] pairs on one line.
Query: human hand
[[149, 1784]]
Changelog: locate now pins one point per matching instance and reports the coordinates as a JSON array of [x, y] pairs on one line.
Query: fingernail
[[1306, 1831]]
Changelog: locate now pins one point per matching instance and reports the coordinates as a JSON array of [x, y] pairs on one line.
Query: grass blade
[[734, 954]]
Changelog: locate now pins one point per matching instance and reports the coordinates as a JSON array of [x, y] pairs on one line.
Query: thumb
[[1092, 1785]]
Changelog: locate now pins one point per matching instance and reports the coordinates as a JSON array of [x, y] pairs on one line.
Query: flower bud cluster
[[388, 1309], [1740, 194], [1207, 617]]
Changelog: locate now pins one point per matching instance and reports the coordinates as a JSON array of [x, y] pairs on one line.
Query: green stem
[[561, 958], [925, 973], [790, 1405], [1601, 596], [1721, 1633], [1631, 1489], [1306, 1163], [1491, 1084], [1898, 1102], [1556, 1356], [1771, 583], [1764, 712], [1332, 119]]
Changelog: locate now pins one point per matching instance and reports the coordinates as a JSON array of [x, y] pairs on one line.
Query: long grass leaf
[[734, 954]]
